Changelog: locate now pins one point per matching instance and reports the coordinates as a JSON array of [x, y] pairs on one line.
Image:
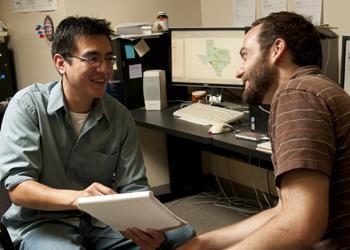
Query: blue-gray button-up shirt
[[38, 142]]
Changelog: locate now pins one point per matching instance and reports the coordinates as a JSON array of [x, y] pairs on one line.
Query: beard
[[260, 76]]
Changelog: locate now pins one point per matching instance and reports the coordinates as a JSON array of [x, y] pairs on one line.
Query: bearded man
[[309, 128]]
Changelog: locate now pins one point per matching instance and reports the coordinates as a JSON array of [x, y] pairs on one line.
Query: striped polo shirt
[[310, 129]]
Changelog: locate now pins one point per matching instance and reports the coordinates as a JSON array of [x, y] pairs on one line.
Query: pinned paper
[[270, 6], [129, 51], [135, 71], [141, 48], [244, 12], [311, 9]]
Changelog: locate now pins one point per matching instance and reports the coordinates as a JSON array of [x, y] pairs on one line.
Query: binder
[[138, 209]]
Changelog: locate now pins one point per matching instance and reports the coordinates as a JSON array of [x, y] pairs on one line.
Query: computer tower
[[127, 86], [259, 117], [7, 74]]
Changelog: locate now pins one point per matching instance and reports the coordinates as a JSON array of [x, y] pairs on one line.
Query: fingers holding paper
[[146, 240], [97, 189], [94, 189]]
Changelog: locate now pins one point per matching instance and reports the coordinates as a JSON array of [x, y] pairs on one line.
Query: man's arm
[[230, 235], [302, 217], [35, 195], [298, 221]]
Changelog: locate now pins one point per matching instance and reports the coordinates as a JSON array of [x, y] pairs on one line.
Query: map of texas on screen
[[218, 58], [206, 57]]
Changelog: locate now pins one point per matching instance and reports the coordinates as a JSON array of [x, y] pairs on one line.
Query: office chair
[[5, 239], [5, 202]]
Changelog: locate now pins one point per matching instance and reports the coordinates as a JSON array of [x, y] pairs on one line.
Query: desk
[[186, 140]]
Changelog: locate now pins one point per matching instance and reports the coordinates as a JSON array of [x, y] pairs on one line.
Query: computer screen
[[206, 57]]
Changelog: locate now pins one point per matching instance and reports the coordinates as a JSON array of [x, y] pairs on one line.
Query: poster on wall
[[23, 6]]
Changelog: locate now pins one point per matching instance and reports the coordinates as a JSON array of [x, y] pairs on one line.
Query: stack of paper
[[134, 28], [264, 147], [127, 210]]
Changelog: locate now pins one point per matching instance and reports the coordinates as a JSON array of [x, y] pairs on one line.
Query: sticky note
[[135, 71], [141, 48], [129, 51]]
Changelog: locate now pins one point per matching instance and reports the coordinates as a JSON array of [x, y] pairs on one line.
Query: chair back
[[5, 202]]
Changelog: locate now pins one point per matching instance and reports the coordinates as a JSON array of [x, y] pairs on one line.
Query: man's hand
[[146, 240], [94, 189]]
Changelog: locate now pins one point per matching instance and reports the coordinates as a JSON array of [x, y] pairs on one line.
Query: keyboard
[[205, 114]]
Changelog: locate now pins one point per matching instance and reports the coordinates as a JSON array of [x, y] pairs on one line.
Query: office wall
[[220, 13], [32, 54], [335, 13]]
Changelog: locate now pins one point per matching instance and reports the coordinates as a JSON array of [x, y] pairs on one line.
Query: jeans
[[82, 234]]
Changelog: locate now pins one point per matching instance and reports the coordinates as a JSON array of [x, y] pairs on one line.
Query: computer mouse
[[218, 128]]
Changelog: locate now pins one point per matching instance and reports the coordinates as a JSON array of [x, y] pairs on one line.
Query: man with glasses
[[67, 139]]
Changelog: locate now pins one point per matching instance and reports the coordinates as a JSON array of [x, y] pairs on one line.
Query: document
[[135, 71], [122, 211], [264, 147], [22, 6], [244, 12], [270, 6], [311, 9]]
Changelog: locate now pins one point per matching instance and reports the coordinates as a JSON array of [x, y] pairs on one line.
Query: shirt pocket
[[86, 168]]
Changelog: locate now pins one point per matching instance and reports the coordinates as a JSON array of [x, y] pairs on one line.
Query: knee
[[177, 237]]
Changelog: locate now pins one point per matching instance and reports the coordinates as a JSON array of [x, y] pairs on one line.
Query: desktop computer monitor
[[206, 57]]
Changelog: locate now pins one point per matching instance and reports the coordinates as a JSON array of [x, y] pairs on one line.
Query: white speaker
[[154, 89]]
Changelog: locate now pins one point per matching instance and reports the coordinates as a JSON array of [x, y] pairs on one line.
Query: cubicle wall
[[127, 80], [7, 74]]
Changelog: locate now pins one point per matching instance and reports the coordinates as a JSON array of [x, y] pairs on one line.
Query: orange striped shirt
[[310, 129]]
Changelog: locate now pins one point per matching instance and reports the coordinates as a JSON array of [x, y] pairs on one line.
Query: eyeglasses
[[95, 61]]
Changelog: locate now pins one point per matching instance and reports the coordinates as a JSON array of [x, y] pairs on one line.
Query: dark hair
[[63, 41], [301, 36]]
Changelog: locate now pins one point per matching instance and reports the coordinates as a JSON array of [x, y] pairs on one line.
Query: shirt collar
[[56, 98], [99, 109], [56, 102], [306, 70]]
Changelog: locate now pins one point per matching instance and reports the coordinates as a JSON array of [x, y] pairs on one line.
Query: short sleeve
[[302, 133]]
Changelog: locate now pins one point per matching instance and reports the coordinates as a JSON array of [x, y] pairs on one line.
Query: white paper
[[244, 12], [127, 210], [141, 48], [311, 9], [270, 6], [21, 6], [135, 71], [264, 147]]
